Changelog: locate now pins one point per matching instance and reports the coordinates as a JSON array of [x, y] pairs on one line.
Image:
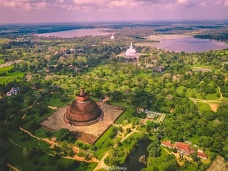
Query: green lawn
[[5, 69], [41, 132], [200, 66], [10, 77], [15, 76], [192, 93], [180, 89], [102, 143], [203, 106]]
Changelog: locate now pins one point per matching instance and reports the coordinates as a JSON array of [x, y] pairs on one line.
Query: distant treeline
[[173, 29], [220, 36], [169, 29], [6, 30]]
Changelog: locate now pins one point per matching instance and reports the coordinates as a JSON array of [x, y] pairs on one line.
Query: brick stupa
[[83, 111]]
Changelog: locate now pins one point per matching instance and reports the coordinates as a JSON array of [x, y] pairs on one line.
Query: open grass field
[[103, 142], [15, 76], [192, 93], [5, 69], [10, 77], [203, 106]]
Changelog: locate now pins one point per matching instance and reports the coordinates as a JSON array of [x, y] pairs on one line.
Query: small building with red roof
[[183, 148], [201, 154], [167, 144]]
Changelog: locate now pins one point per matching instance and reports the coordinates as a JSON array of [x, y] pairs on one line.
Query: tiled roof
[[183, 147], [202, 155], [167, 143]]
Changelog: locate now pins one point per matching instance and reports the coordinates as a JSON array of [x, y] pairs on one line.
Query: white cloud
[[225, 3], [182, 1], [88, 2]]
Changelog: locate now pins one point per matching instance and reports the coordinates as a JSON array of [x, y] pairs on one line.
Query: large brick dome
[[83, 111]]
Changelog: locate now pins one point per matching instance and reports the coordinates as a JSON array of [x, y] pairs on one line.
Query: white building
[[13, 91], [131, 52]]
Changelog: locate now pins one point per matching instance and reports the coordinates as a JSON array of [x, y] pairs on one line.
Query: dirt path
[[93, 160], [42, 139], [53, 143], [176, 155], [101, 164], [15, 143], [12, 167], [221, 96], [128, 135], [212, 103], [194, 101], [23, 117], [10, 63]]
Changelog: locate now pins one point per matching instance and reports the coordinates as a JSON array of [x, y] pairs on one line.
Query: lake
[[78, 33], [132, 161], [180, 43], [175, 43]]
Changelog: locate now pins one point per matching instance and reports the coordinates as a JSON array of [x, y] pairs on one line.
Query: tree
[[171, 165], [64, 135], [26, 152], [155, 168]]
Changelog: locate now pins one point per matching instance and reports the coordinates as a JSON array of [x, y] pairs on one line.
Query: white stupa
[[131, 52], [112, 37]]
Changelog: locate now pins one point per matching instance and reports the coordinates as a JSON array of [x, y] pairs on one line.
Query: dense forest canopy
[[190, 88]]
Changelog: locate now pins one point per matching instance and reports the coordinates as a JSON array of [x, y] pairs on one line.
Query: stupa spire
[[131, 46]]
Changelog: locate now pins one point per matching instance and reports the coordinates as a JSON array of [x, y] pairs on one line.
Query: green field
[[10, 76], [203, 106], [103, 143], [192, 93], [16, 76], [5, 69]]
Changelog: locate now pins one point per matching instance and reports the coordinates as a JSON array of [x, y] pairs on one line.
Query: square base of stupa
[[88, 134]]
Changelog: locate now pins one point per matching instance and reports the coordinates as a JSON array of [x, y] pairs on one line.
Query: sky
[[36, 11]]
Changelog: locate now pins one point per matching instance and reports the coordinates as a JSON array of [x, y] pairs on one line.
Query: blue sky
[[32, 11]]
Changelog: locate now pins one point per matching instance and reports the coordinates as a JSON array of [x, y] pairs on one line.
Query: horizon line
[[119, 21]]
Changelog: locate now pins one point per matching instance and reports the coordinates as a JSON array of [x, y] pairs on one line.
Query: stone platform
[[88, 134]]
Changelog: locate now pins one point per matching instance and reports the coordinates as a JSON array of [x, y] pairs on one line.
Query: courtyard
[[88, 134]]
